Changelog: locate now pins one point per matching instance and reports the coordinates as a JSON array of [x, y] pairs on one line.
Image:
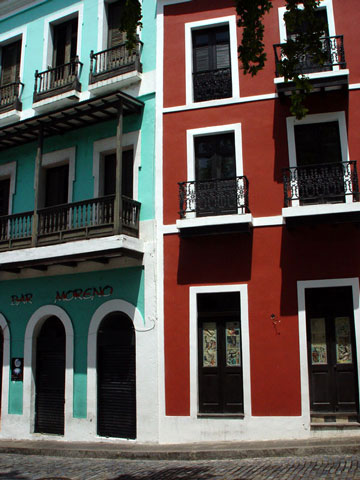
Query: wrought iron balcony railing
[[9, 96], [333, 47], [214, 197], [212, 85], [319, 184], [57, 80], [114, 61], [72, 221]]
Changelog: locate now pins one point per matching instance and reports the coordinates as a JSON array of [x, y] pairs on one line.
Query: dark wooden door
[[220, 358], [332, 350], [50, 378], [127, 173], [4, 196], [116, 378], [215, 175], [56, 185], [10, 62]]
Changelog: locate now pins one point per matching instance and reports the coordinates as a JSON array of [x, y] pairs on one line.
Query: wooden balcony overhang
[[83, 114], [72, 261]]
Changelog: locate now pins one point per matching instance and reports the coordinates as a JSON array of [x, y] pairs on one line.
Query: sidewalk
[[195, 451]]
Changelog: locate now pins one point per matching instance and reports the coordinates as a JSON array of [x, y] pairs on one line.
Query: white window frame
[[53, 159], [218, 129], [8, 170], [214, 22], [327, 4], [13, 36], [60, 16], [245, 344], [108, 145], [318, 118], [304, 365]]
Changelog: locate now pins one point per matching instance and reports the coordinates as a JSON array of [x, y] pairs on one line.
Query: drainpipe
[[39, 152], [118, 208]]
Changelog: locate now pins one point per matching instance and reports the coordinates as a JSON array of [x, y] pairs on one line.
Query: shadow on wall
[[215, 259], [316, 253]]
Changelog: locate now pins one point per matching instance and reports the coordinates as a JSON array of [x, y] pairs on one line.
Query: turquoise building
[[77, 230]]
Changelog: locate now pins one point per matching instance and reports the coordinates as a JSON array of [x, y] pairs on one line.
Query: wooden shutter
[[65, 42], [10, 63], [4, 196], [115, 36]]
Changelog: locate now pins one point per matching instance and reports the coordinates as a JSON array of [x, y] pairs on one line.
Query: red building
[[261, 259]]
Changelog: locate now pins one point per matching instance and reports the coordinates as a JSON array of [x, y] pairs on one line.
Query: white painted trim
[[354, 86], [73, 248], [8, 170], [33, 327], [61, 16], [324, 209], [315, 75], [214, 220], [62, 157], [275, 220], [12, 36], [102, 26], [330, 17], [317, 118], [5, 371], [221, 102], [218, 129], [142, 382], [304, 367], [108, 145], [231, 21], [193, 339]]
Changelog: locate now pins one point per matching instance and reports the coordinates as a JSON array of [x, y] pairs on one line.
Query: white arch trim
[[6, 367], [111, 306], [33, 327]]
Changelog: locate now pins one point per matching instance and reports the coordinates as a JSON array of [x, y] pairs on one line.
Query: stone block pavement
[[326, 458]]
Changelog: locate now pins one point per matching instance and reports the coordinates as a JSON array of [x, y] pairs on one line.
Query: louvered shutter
[[222, 54], [114, 19], [10, 64]]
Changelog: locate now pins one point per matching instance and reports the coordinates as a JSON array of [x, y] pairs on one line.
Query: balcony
[[214, 206], [73, 221], [323, 193], [331, 75], [10, 97], [115, 67], [212, 85], [59, 84]]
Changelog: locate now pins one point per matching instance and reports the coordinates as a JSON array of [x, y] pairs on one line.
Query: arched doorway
[[116, 377], [50, 378]]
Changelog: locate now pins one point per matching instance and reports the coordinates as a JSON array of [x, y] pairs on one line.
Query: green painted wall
[[128, 285]]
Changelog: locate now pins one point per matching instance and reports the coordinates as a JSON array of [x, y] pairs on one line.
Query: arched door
[[116, 377], [50, 378]]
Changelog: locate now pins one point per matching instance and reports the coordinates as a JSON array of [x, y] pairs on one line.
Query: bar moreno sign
[[89, 293]]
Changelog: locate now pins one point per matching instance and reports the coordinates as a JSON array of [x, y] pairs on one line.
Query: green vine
[[131, 21], [306, 43]]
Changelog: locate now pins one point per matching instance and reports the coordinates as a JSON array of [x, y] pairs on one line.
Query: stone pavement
[[193, 451], [33, 467]]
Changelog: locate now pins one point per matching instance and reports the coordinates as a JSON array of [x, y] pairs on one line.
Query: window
[[211, 64], [56, 185], [215, 185], [115, 35], [211, 60], [4, 196], [109, 173], [10, 63], [56, 178], [65, 42], [215, 174], [320, 170], [220, 356]]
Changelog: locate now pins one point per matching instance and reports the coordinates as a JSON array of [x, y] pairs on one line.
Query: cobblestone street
[[20, 467]]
